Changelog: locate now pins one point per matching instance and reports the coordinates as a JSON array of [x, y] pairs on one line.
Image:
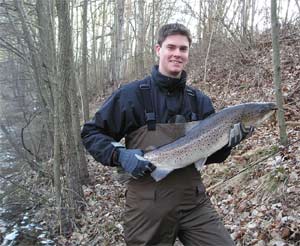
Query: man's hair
[[173, 29]]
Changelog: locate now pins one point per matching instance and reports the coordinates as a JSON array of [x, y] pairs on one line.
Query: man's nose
[[177, 52]]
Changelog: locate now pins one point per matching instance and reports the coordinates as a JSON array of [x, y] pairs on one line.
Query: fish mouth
[[266, 116], [264, 111], [271, 106]]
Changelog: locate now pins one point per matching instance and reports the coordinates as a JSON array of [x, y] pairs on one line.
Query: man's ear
[[157, 49]]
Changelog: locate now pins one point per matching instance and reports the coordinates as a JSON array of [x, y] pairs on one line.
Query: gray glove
[[237, 133], [133, 162]]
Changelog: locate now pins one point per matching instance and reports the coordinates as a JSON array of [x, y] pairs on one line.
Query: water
[[26, 233], [17, 226]]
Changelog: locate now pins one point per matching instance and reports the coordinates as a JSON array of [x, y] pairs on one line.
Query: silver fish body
[[206, 137]]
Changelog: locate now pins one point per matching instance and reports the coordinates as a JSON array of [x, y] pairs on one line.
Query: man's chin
[[175, 74]]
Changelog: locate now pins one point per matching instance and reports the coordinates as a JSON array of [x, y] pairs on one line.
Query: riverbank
[[18, 225]]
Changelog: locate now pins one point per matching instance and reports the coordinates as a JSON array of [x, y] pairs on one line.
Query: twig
[[207, 56], [6, 45], [21, 154], [24, 188], [78, 196], [286, 107], [28, 122], [292, 123]]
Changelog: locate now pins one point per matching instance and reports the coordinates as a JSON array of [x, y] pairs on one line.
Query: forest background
[[60, 59]]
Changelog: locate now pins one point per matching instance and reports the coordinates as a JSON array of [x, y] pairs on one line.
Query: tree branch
[[31, 118], [6, 45]]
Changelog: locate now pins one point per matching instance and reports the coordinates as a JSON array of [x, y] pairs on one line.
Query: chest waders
[[158, 212]]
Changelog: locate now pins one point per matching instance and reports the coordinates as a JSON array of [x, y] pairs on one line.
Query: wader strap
[[193, 102], [150, 114]]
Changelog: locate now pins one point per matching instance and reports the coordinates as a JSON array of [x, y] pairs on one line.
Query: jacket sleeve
[[208, 109], [110, 124]]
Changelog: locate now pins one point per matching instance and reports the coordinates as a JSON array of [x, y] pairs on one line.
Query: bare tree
[[140, 42], [253, 13], [72, 201], [84, 65], [119, 37], [116, 54], [277, 73], [298, 5], [102, 52], [94, 63], [47, 53]]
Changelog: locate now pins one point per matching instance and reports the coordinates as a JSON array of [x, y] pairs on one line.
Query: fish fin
[[160, 173], [200, 163]]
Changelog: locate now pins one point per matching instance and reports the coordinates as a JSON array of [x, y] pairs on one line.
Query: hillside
[[256, 190]]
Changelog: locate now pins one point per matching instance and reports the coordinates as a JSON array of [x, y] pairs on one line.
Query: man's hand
[[237, 133], [133, 162]]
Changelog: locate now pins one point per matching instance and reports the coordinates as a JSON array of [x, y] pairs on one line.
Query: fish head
[[255, 113]]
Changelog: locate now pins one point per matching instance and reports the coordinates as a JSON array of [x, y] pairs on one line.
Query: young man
[[144, 112]]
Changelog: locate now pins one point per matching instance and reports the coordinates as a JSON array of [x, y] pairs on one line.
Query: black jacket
[[124, 112]]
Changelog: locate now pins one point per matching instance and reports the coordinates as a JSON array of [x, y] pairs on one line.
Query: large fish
[[206, 137]]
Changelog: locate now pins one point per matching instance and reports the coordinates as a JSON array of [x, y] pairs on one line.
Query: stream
[[17, 225]]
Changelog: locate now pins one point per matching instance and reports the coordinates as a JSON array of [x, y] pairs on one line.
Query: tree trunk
[[140, 42], [47, 54], [47, 43], [153, 36], [57, 160], [287, 13], [127, 46], [253, 13], [244, 22], [199, 25], [115, 49], [94, 62], [73, 193], [298, 5], [102, 50], [84, 64], [276, 73], [119, 38], [79, 151]]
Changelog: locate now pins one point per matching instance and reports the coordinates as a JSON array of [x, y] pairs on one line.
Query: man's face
[[173, 55]]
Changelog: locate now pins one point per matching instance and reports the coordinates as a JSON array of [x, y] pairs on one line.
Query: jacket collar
[[168, 84]]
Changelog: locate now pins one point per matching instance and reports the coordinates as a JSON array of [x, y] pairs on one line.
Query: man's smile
[[176, 62]]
